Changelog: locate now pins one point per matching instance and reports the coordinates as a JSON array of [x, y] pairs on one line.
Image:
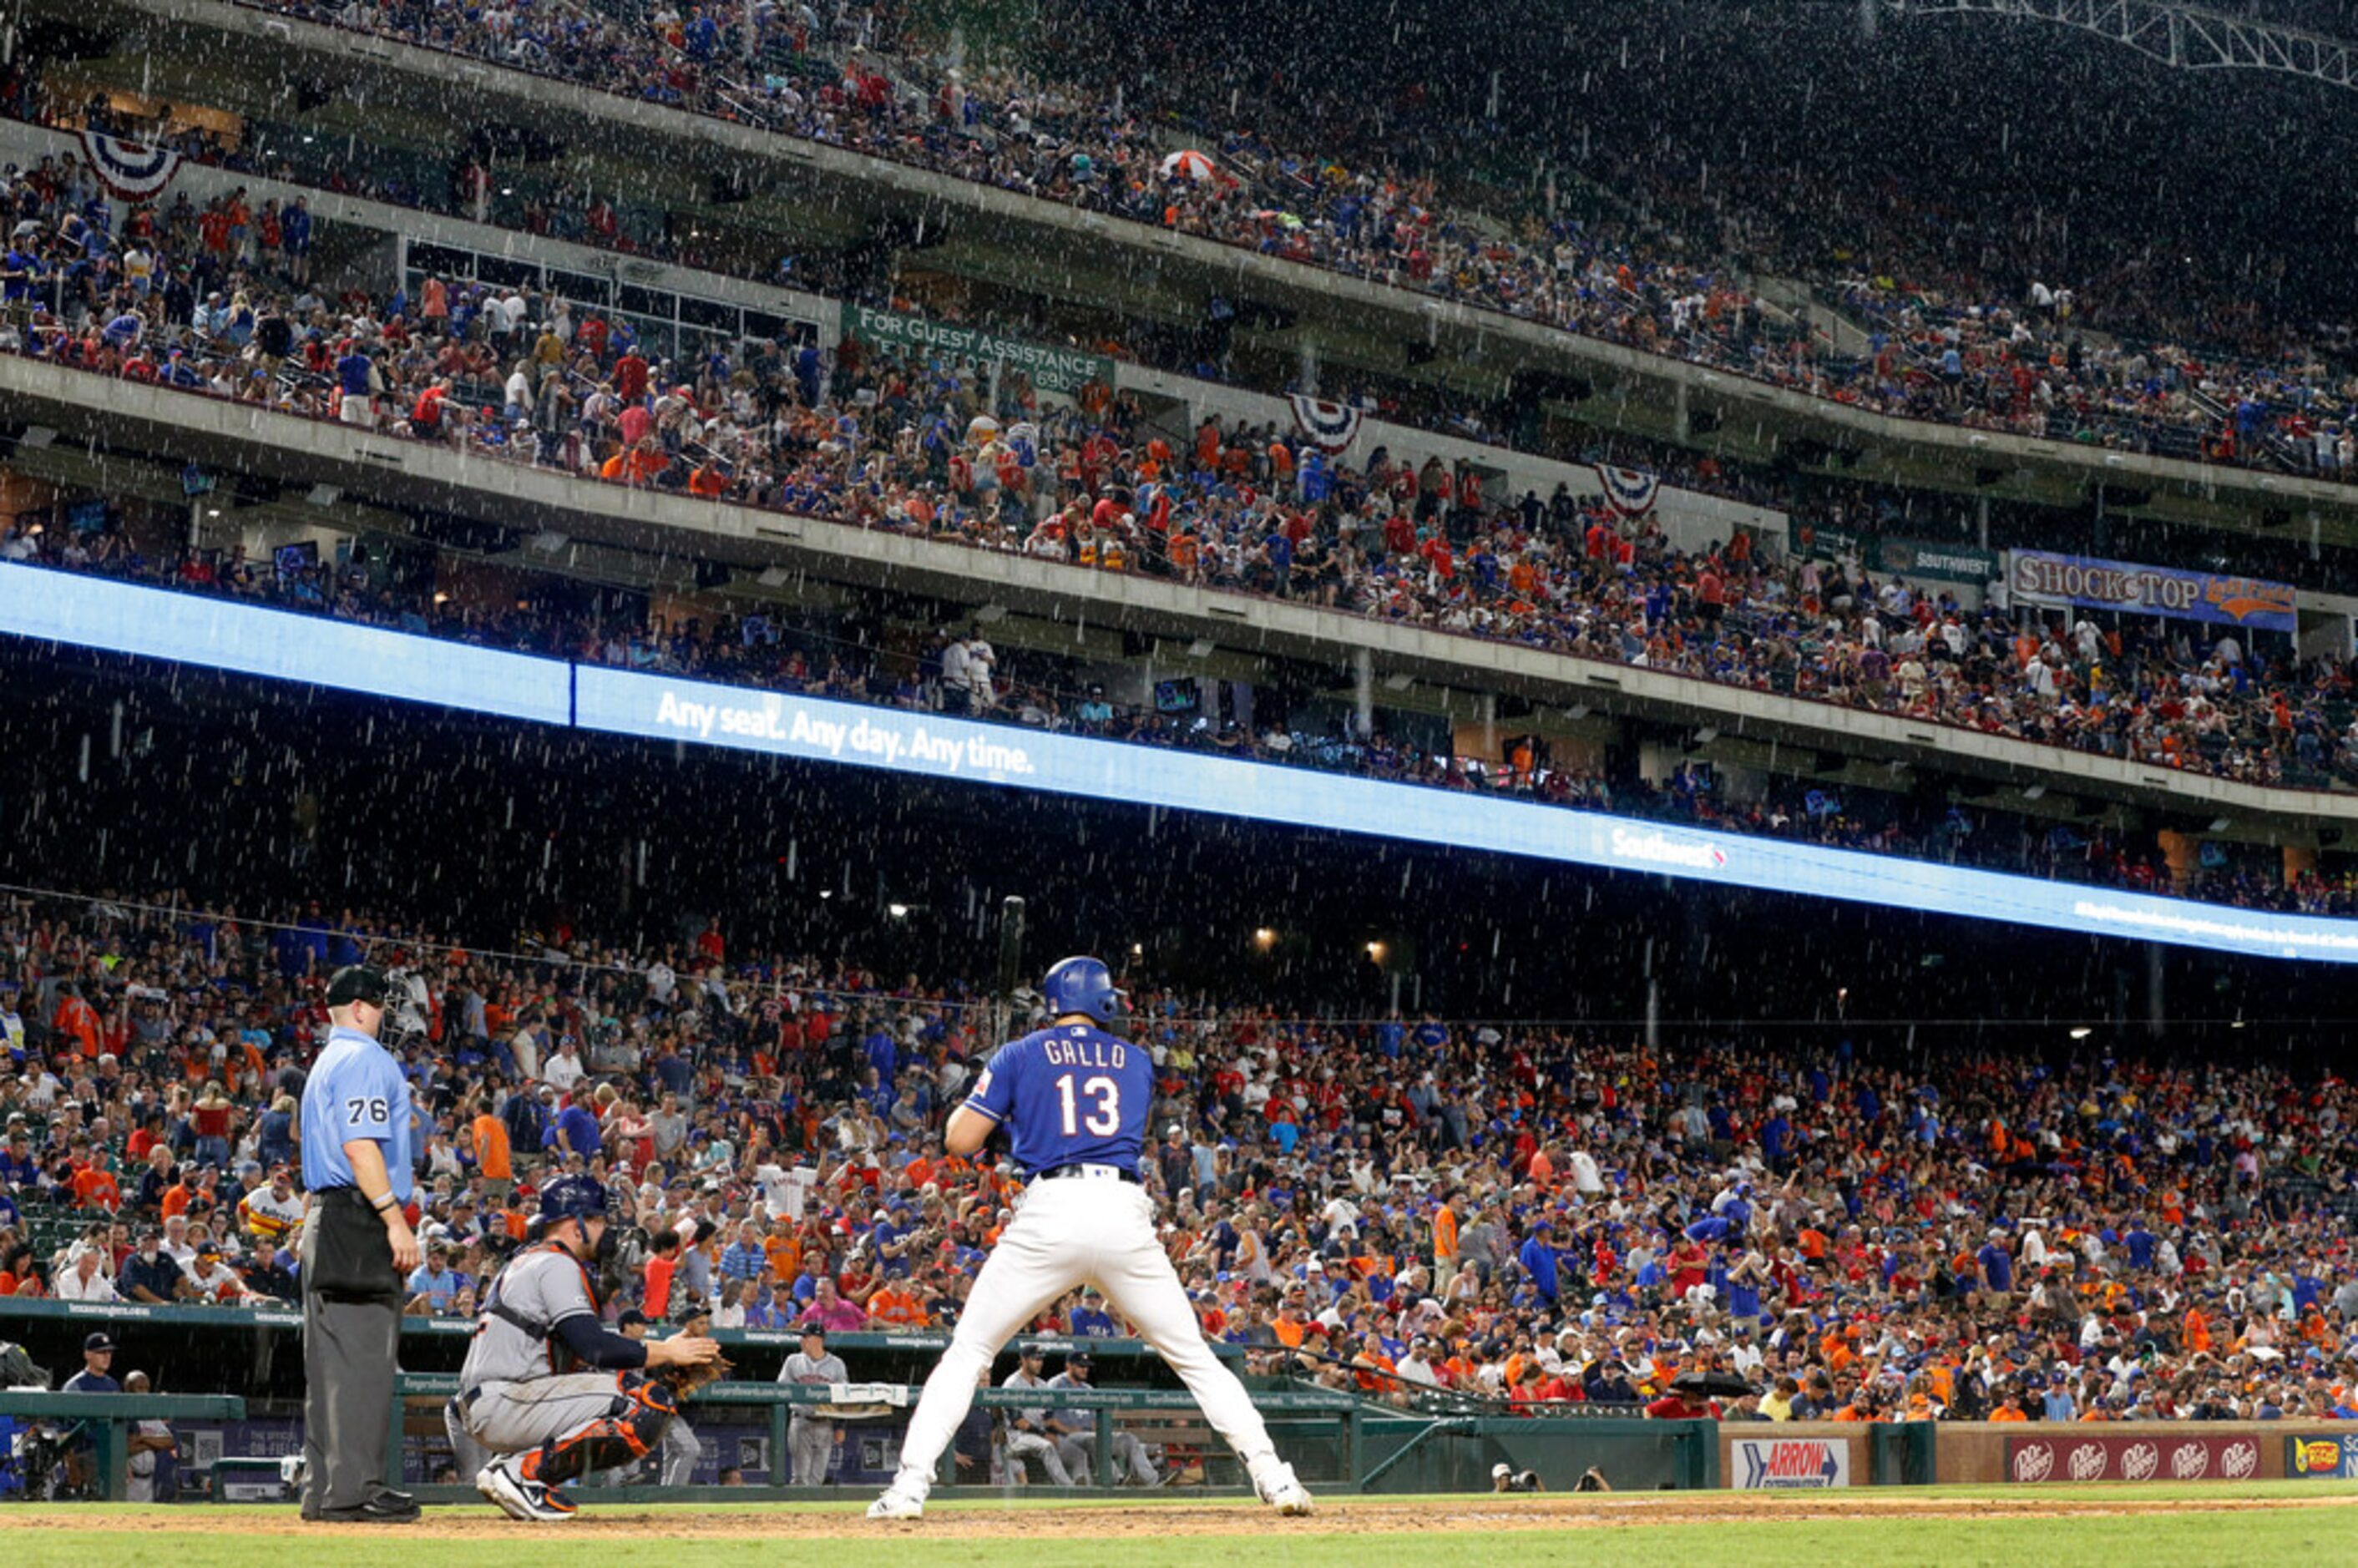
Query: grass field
[[2304, 1523]]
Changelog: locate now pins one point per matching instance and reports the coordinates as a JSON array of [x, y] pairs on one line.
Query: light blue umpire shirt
[[356, 1090]]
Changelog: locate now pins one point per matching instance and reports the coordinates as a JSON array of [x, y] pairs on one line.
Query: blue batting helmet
[[571, 1197], [1086, 986]]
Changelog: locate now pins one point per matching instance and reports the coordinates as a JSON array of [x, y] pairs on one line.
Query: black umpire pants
[[351, 1345]]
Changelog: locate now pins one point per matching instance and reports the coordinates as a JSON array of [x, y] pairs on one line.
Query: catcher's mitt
[[684, 1380]]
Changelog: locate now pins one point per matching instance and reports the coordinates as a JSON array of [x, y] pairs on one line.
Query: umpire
[[357, 1251]]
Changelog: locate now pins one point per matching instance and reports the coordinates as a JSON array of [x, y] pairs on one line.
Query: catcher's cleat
[[520, 1497], [897, 1504]]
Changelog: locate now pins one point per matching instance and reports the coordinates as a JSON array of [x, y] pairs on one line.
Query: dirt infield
[[1348, 1516]]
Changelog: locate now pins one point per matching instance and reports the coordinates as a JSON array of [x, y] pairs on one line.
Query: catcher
[[547, 1389]]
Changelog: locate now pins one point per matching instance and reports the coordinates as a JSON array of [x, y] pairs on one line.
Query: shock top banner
[[1050, 369], [2038, 577]]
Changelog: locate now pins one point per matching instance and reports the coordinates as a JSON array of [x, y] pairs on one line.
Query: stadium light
[[897, 911], [1264, 939], [2081, 1032]]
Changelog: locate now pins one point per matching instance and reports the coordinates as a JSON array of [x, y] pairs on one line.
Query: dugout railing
[[1329, 1425]]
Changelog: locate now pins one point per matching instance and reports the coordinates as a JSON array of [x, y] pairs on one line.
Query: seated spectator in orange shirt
[[889, 1303]]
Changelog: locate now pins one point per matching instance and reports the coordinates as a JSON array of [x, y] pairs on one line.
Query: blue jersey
[[355, 1091], [1070, 1095]]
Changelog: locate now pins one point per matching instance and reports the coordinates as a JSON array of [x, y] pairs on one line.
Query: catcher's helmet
[[571, 1197], [1086, 986]]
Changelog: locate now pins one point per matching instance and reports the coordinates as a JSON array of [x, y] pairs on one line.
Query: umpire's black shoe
[[385, 1508]]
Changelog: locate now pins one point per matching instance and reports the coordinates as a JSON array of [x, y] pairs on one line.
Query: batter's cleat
[[897, 1504], [520, 1497], [1288, 1496]]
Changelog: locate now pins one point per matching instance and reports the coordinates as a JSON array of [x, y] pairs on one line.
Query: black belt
[[1101, 1172]]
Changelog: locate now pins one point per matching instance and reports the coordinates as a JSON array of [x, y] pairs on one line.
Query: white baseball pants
[[1067, 1233]]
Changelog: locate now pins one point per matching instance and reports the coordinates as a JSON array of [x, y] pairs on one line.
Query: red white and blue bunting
[[1331, 426], [1630, 491], [132, 171]]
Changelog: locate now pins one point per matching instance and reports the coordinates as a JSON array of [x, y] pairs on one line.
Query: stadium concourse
[[1937, 350], [1536, 1216]]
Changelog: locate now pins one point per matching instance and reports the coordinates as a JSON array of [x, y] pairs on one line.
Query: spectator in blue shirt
[[1538, 1258], [434, 1281], [884, 1052], [1996, 1262], [1090, 1320], [745, 1258], [778, 1309], [578, 1132]]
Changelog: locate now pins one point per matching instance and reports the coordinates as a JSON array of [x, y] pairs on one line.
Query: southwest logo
[[1661, 849]]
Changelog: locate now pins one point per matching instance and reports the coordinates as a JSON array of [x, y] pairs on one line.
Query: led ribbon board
[[94, 612], [119, 617], [670, 709]]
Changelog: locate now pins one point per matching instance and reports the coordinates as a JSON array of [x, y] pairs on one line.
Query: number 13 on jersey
[[1104, 1095]]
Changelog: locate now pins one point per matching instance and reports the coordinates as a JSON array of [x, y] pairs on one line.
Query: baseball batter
[[519, 1399], [1075, 1099]]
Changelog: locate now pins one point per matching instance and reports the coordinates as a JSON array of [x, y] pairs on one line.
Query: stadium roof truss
[[2185, 37]]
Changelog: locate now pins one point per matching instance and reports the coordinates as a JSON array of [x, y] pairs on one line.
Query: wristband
[[383, 1204]]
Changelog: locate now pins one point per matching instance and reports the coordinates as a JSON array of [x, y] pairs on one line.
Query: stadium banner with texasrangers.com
[[2333, 1456], [2037, 576], [1788, 1464], [2162, 1458]]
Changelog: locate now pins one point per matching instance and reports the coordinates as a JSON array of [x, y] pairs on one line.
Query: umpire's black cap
[[358, 982]]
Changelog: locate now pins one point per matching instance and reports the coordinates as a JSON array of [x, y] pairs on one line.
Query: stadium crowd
[[2014, 364], [1518, 1214], [882, 440]]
